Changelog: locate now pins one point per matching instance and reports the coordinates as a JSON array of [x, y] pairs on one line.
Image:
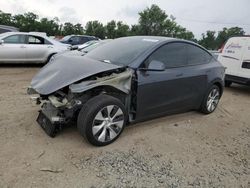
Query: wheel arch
[[109, 90], [218, 83], [49, 56]]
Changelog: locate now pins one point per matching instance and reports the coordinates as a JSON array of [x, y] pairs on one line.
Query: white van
[[235, 56]]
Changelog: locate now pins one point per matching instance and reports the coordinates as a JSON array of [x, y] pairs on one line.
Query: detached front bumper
[[55, 111], [50, 119]]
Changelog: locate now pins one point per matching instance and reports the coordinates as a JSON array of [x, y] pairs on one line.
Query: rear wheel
[[102, 120], [228, 83], [211, 100]]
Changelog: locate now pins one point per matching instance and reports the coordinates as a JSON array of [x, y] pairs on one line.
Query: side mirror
[[1, 42], [155, 66]]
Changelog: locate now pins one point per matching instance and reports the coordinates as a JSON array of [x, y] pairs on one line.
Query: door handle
[[23, 47], [50, 47], [179, 75]]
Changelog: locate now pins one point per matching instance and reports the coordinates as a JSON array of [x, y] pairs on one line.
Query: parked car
[[77, 39], [127, 80], [81, 46], [20, 47], [84, 49], [235, 57]]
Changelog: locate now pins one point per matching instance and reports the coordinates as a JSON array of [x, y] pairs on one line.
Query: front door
[[13, 50]]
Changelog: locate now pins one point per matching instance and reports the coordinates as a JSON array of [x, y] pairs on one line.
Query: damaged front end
[[62, 106]]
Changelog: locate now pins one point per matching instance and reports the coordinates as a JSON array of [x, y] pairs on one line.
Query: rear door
[[13, 49], [37, 48], [200, 70], [245, 66], [231, 56]]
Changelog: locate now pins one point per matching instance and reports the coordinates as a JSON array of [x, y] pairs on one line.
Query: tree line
[[152, 21]]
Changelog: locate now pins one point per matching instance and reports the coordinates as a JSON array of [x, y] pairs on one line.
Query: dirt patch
[[184, 150]]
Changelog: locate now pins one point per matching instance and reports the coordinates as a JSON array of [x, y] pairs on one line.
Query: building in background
[[5, 28]]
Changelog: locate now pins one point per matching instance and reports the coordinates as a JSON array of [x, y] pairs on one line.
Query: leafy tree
[[226, 33], [135, 30], [208, 40], [95, 28], [30, 22], [51, 27], [78, 29], [68, 29], [152, 21], [122, 29], [5, 18], [111, 29]]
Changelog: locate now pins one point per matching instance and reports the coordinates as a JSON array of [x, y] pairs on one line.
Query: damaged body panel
[[120, 81], [65, 70]]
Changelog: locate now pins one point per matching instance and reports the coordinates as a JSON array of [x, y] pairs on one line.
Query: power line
[[212, 22]]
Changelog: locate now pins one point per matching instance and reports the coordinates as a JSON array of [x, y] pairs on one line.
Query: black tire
[[204, 106], [87, 118], [228, 83]]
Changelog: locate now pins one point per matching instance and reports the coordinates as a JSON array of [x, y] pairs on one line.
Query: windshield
[[122, 51], [90, 47], [65, 38]]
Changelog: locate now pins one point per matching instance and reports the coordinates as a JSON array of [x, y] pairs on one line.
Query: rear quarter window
[[197, 55]]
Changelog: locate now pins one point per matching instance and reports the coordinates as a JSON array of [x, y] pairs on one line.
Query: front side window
[[15, 39], [171, 55], [197, 56]]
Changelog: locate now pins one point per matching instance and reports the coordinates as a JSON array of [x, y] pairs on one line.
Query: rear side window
[[15, 39], [35, 40], [197, 56], [75, 39], [172, 55]]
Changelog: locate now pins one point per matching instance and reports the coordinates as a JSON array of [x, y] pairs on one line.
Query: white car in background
[[33, 47], [235, 57]]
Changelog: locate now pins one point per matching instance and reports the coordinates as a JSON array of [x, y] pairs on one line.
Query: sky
[[197, 16]]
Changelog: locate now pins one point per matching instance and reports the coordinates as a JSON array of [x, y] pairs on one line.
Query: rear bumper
[[237, 79]]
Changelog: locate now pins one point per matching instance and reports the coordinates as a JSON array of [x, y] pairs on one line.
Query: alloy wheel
[[213, 99], [108, 123]]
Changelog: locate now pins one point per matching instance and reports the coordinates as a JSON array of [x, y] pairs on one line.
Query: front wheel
[[211, 100], [102, 120]]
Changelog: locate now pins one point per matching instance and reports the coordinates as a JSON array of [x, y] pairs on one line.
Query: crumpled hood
[[65, 70]]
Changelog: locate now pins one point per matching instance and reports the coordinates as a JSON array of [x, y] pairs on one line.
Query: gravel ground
[[184, 150]]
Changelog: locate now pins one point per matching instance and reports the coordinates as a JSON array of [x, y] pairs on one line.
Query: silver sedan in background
[[20, 47]]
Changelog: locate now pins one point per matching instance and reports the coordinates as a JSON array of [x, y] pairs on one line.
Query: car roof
[[27, 33], [158, 39], [82, 36]]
